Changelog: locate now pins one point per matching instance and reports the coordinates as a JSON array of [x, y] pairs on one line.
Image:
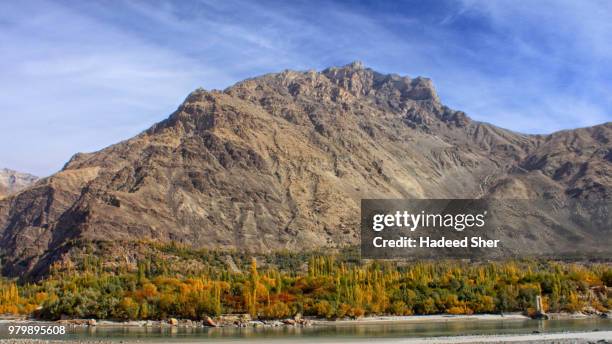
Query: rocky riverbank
[[228, 320], [245, 320]]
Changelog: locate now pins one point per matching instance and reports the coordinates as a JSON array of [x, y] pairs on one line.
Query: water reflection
[[338, 332]]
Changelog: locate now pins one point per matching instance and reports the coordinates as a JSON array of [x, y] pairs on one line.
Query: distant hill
[[13, 181], [281, 161]]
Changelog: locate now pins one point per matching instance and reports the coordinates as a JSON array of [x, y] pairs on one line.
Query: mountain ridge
[[281, 161]]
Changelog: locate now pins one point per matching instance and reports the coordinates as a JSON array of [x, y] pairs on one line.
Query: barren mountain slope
[[281, 162], [12, 181]]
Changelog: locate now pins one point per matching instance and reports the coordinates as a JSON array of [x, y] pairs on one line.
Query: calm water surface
[[338, 333]]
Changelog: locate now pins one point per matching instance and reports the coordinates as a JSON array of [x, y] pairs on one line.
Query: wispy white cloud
[[555, 56], [71, 83], [77, 76]]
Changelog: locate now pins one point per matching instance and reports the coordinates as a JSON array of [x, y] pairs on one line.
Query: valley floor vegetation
[[173, 281]]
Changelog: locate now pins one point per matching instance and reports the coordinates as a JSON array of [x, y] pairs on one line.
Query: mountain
[[281, 161], [13, 181]]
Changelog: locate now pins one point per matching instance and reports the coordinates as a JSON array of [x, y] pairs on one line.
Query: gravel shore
[[603, 337]]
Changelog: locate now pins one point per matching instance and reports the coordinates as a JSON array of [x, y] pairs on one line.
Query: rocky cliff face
[[281, 161], [12, 181]]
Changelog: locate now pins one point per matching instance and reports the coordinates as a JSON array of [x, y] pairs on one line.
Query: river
[[345, 332]]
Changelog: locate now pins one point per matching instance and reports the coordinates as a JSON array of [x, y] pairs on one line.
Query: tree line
[[329, 286]]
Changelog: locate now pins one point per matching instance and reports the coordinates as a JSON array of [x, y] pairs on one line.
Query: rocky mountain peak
[[363, 81], [355, 65]]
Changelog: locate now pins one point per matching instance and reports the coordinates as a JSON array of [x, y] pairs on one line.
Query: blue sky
[[77, 76]]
